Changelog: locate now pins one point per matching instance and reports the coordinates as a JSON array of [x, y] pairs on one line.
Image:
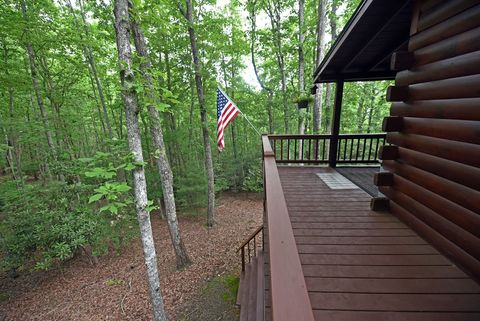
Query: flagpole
[[241, 112], [254, 128]]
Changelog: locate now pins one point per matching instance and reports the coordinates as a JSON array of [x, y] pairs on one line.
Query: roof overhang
[[363, 49]]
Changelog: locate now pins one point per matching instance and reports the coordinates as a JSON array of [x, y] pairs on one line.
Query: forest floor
[[116, 288]]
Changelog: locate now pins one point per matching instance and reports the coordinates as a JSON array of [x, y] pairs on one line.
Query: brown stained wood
[[465, 240], [394, 316], [396, 302], [369, 225], [453, 212], [446, 11], [419, 286], [383, 179], [466, 109], [401, 60], [458, 66], [460, 23], [354, 232], [353, 264], [460, 87], [361, 240], [456, 172], [457, 193], [468, 154], [388, 152], [369, 260], [285, 266], [392, 124], [397, 93], [374, 272], [354, 249], [467, 131], [463, 65], [454, 252], [460, 44]]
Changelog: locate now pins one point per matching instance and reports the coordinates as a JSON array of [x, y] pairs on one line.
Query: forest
[[108, 114]]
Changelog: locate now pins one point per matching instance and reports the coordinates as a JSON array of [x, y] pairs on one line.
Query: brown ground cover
[[116, 288]]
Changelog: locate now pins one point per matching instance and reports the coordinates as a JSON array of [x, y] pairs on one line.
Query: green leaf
[[95, 198]]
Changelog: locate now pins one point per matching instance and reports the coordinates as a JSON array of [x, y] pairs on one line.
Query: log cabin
[[333, 247]]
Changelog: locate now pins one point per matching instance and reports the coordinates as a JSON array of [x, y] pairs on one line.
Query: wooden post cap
[[392, 124], [388, 152], [379, 204], [397, 93], [383, 179], [401, 60]]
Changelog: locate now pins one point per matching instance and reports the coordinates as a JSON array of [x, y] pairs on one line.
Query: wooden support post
[[337, 111], [392, 124], [388, 152], [383, 179]]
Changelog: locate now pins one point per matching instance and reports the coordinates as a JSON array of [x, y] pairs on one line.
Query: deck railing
[[248, 249], [315, 149], [290, 300]]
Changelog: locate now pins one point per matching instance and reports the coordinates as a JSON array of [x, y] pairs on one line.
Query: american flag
[[226, 112]]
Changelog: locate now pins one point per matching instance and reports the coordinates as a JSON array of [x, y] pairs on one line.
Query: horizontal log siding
[[436, 172]]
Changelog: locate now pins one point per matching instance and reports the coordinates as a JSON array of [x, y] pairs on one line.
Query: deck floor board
[[364, 265]]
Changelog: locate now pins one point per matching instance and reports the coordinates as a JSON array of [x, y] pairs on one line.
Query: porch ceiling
[[363, 49]]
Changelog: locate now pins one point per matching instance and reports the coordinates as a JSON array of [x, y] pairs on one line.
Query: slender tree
[[163, 164], [129, 95], [188, 14], [317, 109]]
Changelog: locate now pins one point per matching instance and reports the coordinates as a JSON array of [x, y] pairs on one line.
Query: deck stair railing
[[315, 149], [248, 249]]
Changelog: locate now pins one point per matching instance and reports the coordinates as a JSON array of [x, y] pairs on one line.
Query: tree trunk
[[129, 96], [251, 6], [274, 13], [188, 14], [317, 109], [333, 30], [160, 153], [37, 90], [301, 72], [93, 66]]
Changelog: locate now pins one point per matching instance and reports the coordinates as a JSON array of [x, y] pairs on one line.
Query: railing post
[[243, 259], [337, 111]]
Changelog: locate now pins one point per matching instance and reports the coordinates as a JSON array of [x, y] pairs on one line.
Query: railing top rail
[[327, 136], [250, 237], [290, 300]]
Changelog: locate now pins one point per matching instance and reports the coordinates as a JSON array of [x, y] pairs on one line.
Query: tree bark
[[160, 152], [251, 5], [93, 66], [188, 14], [129, 96], [328, 99], [37, 90], [317, 109], [301, 72], [274, 13]]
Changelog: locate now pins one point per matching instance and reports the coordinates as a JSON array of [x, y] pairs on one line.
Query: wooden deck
[[363, 265]]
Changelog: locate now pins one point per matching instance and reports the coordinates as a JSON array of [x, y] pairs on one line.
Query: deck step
[[260, 287], [251, 291]]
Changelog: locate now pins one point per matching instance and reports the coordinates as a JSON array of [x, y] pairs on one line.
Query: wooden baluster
[[351, 148], [324, 148], [363, 148], [249, 258], [376, 148], [316, 148], [255, 245], [370, 149], [309, 149], [345, 149], [281, 148], [243, 258], [295, 150], [288, 148]]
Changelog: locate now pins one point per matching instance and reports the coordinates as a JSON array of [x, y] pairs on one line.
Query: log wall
[[434, 179]]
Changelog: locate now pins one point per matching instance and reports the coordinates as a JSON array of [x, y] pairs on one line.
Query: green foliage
[[115, 282]]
